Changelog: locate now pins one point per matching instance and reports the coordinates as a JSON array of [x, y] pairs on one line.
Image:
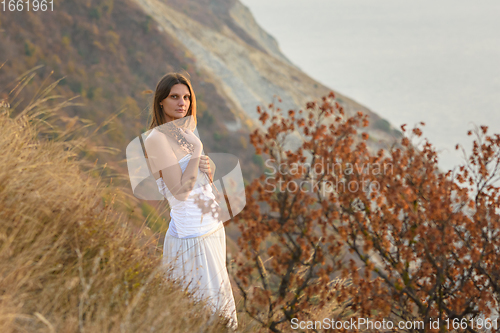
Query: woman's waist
[[193, 212], [193, 224], [178, 231]]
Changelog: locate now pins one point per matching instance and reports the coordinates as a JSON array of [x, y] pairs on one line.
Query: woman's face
[[176, 105]]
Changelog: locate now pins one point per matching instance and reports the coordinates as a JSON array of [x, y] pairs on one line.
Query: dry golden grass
[[68, 260]]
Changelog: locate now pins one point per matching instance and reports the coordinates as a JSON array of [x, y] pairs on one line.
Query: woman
[[195, 243]]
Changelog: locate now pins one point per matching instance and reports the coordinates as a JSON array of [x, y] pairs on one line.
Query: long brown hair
[[163, 90]]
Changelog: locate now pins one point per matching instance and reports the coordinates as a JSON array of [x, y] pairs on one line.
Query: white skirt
[[200, 263]]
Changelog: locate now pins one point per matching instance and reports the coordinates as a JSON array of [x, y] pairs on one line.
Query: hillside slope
[[111, 54]]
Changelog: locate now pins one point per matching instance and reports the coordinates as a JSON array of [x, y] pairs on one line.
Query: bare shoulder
[[155, 137], [157, 141]]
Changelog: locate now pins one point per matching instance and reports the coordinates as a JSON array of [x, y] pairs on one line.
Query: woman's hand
[[205, 164], [191, 138]]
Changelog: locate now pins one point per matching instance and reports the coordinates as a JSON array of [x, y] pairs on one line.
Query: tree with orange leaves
[[411, 245]]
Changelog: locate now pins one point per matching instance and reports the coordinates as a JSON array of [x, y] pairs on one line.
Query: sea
[[436, 62]]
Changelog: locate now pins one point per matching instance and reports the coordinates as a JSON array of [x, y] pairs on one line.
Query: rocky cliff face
[[112, 53], [247, 64]]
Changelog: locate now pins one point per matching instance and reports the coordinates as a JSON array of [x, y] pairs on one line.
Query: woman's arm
[[162, 157]]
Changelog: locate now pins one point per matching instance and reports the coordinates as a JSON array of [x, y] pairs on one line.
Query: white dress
[[195, 247]]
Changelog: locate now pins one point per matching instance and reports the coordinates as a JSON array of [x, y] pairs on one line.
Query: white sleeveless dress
[[195, 247]]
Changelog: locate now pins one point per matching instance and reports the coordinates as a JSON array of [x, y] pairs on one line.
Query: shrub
[[412, 243]]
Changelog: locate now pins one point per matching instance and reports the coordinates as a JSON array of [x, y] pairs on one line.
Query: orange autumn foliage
[[333, 227]]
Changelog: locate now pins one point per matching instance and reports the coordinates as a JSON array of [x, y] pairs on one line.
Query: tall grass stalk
[[68, 260]]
